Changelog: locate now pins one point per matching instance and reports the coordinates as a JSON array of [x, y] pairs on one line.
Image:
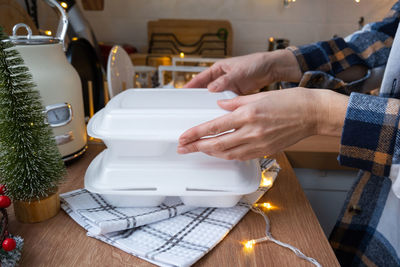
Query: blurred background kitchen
[[253, 21], [154, 34]]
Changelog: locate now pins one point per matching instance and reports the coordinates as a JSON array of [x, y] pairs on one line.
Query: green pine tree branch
[[30, 163]]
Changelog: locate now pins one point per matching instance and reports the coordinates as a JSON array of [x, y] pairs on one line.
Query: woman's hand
[[266, 123], [248, 74]]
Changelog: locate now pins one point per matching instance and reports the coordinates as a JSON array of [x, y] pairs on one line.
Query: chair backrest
[[120, 71]]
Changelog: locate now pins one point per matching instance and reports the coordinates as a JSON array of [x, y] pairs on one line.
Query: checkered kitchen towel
[[171, 234]]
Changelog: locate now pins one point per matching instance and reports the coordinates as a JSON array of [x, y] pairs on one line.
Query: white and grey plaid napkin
[[171, 234]]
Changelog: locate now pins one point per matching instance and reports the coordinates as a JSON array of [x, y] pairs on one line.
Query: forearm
[[330, 111], [285, 66]]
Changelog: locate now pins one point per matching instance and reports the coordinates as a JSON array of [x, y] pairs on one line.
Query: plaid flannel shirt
[[320, 62], [368, 230]]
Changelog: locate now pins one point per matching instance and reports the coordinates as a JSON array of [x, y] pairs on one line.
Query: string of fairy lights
[[267, 181]]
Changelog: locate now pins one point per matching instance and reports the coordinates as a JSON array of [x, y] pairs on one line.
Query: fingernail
[[183, 150]]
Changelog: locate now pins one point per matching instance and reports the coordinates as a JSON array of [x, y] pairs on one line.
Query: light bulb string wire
[[268, 237]]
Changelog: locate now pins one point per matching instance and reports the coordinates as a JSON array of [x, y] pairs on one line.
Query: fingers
[[204, 78], [224, 82], [214, 127], [229, 146], [242, 152], [234, 120], [212, 146], [234, 103]]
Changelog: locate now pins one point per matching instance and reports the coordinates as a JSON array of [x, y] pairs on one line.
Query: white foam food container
[[140, 166]]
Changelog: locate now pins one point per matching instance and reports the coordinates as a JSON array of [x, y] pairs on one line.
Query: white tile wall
[[253, 21]]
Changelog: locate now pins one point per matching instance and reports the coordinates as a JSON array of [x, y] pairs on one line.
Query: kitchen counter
[[61, 242]]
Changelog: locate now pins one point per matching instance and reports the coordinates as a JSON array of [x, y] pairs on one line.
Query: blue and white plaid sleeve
[[320, 62], [369, 133]]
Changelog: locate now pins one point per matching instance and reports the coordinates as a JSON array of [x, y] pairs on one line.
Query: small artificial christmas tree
[[30, 163]]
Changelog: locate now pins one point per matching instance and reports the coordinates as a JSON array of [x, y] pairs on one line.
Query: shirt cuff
[[369, 133], [333, 56], [319, 79]]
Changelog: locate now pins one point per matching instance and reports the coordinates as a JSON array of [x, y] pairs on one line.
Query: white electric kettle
[[58, 83]]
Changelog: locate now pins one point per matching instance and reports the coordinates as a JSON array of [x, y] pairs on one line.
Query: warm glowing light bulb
[[74, 38], [357, 1], [266, 181], [48, 32], [267, 205], [182, 55], [31, 123], [249, 244], [271, 39], [64, 5]]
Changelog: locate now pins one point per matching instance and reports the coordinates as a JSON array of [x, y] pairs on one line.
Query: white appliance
[[140, 166], [58, 83]]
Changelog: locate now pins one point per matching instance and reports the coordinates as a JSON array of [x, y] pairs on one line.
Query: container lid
[[155, 114]]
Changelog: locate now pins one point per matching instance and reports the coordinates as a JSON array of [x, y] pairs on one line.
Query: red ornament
[[5, 202], [9, 244], [2, 189]]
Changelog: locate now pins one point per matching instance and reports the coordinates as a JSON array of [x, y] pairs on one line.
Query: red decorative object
[[9, 244], [2, 189], [5, 202]]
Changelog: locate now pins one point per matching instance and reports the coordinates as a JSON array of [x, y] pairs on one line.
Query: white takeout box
[[140, 166]]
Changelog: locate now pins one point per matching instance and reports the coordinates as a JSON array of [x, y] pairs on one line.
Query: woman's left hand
[[265, 123]]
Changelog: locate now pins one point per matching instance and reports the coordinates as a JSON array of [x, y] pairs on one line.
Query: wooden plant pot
[[37, 210]]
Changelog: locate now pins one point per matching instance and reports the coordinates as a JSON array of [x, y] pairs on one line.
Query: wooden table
[[61, 242]]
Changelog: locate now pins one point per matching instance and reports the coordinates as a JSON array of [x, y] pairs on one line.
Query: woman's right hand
[[248, 74], [266, 123]]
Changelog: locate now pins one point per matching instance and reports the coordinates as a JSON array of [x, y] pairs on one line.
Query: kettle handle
[[63, 24]]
